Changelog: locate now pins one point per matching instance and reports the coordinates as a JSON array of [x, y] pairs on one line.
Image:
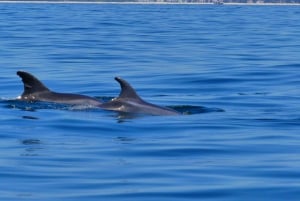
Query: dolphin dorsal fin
[[126, 90], [31, 83]]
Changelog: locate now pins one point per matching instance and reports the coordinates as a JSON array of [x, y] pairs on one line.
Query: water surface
[[234, 69]]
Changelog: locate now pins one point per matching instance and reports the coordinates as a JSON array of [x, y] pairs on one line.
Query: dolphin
[[35, 90], [129, 101]]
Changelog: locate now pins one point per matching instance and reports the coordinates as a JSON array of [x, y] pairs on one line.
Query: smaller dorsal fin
[[126, 90], [31, 83]]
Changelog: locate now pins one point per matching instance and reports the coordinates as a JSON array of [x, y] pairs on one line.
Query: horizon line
[[145, 2]]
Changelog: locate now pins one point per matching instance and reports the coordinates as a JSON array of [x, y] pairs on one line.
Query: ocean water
[[234, 71]]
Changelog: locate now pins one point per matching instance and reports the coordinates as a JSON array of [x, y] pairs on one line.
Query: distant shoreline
[[141, 2]]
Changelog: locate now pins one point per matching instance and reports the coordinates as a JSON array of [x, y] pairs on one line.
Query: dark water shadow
[[191, 109], [31, 141], [32, 147], [30, 117], [124, 140]]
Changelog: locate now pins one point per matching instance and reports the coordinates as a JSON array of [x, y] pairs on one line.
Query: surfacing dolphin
[[129, 101], [35, 90]]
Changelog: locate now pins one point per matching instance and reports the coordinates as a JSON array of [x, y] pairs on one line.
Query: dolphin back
[[31, 83], [129, 101]]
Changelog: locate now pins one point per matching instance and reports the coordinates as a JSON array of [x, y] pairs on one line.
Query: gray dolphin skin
[[129, 101], [35, 90]]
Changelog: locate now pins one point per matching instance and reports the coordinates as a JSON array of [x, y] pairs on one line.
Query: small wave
[[36, 105]]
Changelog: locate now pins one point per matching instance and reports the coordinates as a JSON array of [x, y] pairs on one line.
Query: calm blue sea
[[233, 70]]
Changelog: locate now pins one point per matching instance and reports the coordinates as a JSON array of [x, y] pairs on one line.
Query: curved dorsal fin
[[126, 90], [31, 83]]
